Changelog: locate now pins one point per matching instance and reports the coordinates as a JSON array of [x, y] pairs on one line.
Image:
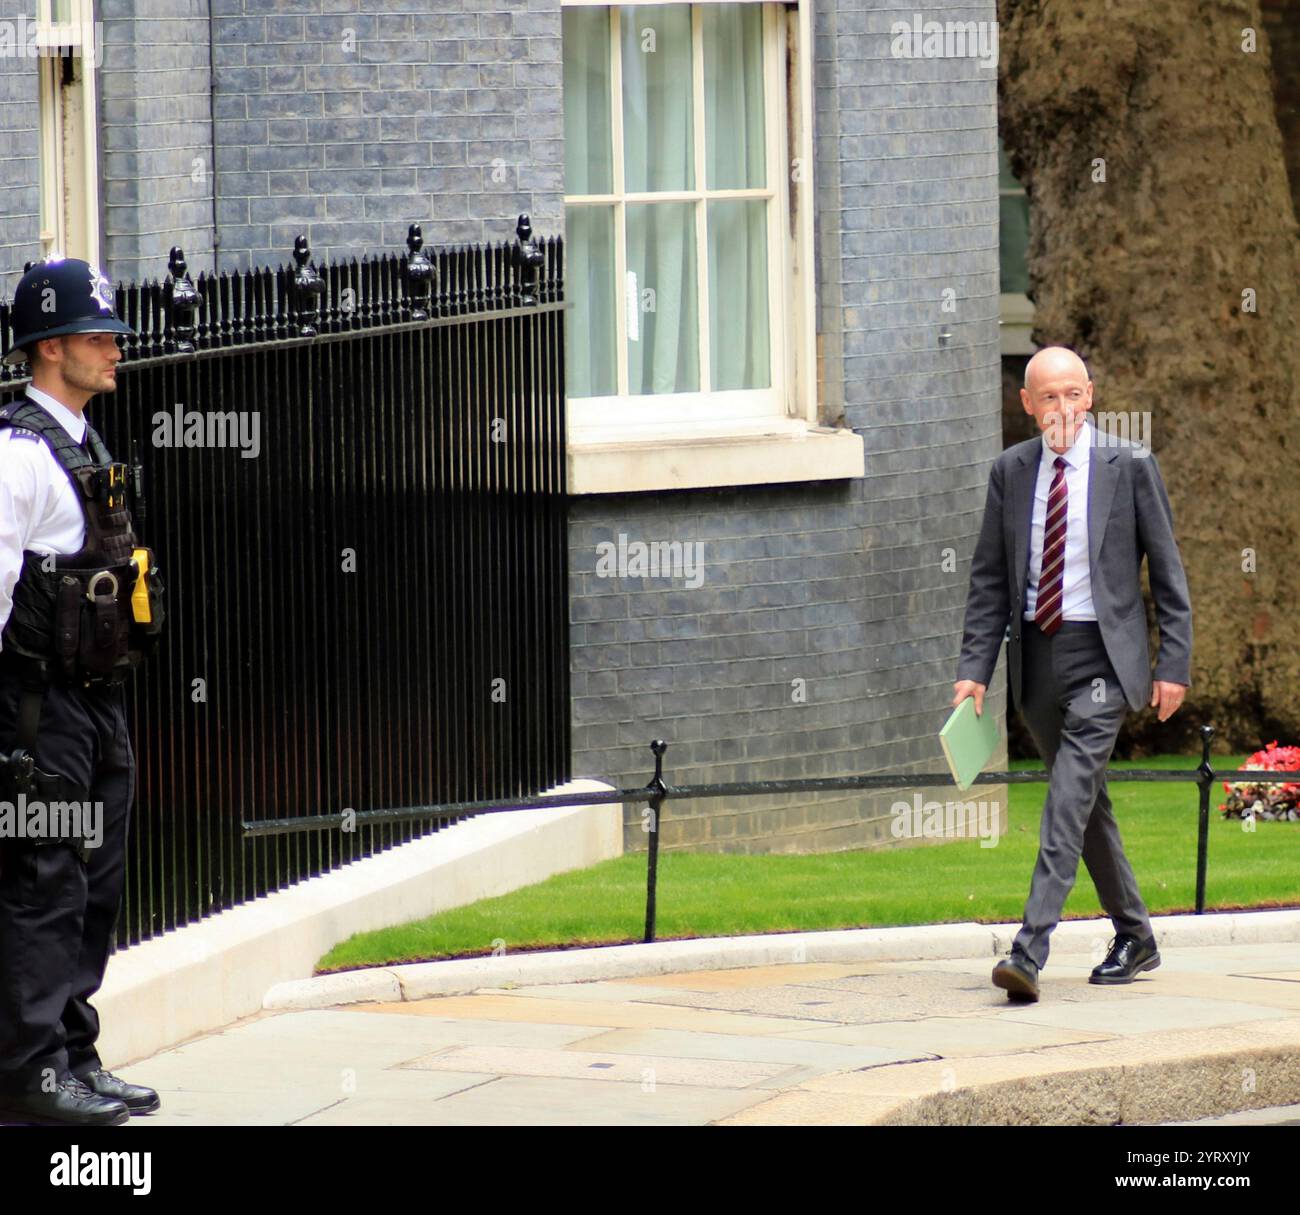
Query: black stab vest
[[69, 621]]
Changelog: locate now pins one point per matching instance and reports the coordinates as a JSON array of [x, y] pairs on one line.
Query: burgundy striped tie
[[1051, 581]]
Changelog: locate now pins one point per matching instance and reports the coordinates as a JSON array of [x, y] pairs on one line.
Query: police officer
[[77, 613]]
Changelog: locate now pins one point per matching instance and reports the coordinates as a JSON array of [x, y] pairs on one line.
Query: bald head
[[1053, 362], [1057, 394]]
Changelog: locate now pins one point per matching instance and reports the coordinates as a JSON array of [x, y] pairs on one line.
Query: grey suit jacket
[[1128, 517]]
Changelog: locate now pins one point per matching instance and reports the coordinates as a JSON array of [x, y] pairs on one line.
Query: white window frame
[[730, 437], [69, 159]]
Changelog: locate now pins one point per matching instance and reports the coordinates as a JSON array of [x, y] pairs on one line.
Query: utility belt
[[83, 627], [107, 620], [39, 671]]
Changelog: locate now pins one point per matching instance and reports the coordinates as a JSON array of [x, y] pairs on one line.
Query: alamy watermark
[[31, 819], [90, 1167], [27, 38], [1112, 428], [191, 428], [922, 39], [654, 559], [920, 819]]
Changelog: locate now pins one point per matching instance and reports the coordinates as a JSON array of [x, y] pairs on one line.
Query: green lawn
[[712, 894]]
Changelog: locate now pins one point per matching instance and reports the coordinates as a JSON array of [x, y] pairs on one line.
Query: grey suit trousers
[[1073, 705]]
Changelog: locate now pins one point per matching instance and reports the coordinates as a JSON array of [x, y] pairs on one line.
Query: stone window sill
[[635, 460]]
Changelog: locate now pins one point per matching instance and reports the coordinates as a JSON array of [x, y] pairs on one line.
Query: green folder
[[969, 741]]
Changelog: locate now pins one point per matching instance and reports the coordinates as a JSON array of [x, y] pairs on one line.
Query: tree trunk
[[1282, 21], [1144, 273]]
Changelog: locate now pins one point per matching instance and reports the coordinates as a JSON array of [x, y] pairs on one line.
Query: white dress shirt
[[39, 509], [1076, 591]]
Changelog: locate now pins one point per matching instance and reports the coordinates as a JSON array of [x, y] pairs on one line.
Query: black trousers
[[58, 913]]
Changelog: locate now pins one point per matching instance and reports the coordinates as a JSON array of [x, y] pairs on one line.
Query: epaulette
[[25, 415]]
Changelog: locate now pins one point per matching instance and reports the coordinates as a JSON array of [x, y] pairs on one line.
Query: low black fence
[[354, 482], [656, 792]]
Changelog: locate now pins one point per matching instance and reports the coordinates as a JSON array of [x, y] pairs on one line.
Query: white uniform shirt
[[39, 509], [1076, 588]]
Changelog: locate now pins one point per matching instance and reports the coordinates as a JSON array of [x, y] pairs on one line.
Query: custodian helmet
[[58, 296]]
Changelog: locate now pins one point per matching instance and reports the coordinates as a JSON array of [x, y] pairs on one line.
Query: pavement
[[916, 1040]]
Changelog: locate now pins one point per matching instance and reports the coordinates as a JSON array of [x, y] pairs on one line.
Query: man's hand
[[1168, 696], [968, 687]]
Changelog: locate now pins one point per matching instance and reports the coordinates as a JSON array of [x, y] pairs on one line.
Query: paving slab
[[760, 976], [296, 1101], [799, 1050], [420, 1034], [1154, 1014], [612, 990], [915, 1041], [610, 1067], [269, 1108], [634, 1014], [864, 999], [534, 1101], [957, 1037]]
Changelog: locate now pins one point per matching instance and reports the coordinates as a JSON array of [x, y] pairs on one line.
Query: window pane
[[1013, 231], [588, 126], [658, 115], [1013, 244], [739, 337], [1006, 178], [589, 332], [733, 96], [663, 353]]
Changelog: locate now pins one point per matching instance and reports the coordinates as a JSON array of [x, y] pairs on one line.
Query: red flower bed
[[1277, 801]]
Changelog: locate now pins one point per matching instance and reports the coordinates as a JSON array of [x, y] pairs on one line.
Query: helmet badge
[[101, 290]]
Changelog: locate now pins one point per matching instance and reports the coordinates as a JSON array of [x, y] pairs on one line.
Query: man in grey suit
[[1056, 571]]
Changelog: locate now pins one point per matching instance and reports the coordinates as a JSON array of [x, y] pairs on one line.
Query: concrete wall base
[[209, 974]]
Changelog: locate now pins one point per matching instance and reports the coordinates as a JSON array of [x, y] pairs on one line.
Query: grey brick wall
[[840, 585], [20, 192], [350, 119], [346, 120], [155, 136]]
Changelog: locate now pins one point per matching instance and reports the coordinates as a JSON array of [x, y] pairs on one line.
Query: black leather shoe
[[136, 1098], [71, 1103], [1127, 958], [1019, 976]]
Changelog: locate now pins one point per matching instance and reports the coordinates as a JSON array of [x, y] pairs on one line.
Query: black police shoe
[[1019, 976], [72, 1103], [1127, 958], [136, 1098]]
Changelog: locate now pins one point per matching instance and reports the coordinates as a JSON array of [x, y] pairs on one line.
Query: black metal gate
[[355, 486]]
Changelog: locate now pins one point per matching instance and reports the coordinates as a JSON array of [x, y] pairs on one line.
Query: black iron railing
[[370, 609], [657, 791]]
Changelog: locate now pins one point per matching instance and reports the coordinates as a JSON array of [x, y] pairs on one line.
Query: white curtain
[[739, 346], [589, 366], [663, 349], [733, 95], [739, 333], [662, 254]]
